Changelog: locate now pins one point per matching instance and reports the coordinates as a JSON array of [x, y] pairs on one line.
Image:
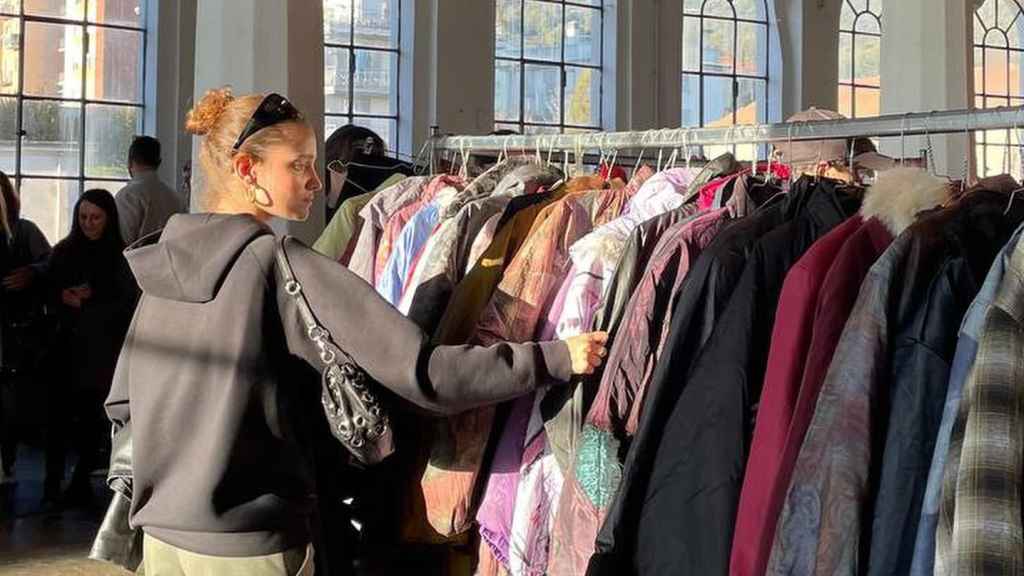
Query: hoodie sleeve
[[397, 354]]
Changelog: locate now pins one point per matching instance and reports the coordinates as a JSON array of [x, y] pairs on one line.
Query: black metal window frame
[[853, 33], [83, 102], [990, 100], [701, 73], [562, 126], [352, 47]]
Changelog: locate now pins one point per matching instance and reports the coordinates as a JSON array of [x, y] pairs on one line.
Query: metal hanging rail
[[895, 125]]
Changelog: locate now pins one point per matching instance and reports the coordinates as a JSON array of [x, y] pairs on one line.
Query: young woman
[[23, 254], [94, 293], [219, 382]]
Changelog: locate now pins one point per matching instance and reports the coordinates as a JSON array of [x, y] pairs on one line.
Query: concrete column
[[462, 91], [169, 86], [643, 64], [809, 50], [265, 46], [934, 38]]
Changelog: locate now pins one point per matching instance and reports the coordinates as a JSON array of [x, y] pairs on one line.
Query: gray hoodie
[[220, 385]]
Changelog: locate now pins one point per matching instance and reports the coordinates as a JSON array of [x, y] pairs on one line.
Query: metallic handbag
[[353, 411]]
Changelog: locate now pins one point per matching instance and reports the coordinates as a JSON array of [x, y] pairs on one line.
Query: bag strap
[[317, 334]]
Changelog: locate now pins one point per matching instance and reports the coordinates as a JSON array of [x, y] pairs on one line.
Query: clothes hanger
[[1013, 195], [640, 157]]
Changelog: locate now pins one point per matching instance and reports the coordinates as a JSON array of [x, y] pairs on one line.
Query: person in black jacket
[[23, 254], [94, 293]]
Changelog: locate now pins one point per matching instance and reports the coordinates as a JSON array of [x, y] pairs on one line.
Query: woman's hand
[[587, 351], [19, 279]]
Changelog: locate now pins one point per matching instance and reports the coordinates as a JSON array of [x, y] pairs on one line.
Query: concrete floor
[[35, 543]]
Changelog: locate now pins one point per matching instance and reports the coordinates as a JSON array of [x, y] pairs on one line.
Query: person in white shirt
[[146, 203]]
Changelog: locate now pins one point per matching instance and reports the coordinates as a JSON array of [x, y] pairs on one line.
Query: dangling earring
[[260, 196], [250, 193]]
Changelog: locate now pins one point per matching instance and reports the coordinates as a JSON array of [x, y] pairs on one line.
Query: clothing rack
[[893, 125]]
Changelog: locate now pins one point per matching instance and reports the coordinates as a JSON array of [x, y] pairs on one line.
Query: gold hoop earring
[[250, 193], [260, 196]]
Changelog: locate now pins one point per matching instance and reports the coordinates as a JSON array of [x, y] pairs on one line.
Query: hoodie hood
[[188, 261], [900, 194]]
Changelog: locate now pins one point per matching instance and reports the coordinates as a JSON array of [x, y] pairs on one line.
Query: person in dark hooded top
[[218, 383], [93, 290]]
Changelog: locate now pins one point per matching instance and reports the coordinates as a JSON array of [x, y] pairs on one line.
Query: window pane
[[72, 9], [846, 17], [1016, 33], [498, 126], [543, 94], [542, 30], [336, 79], [384, 127], [112, 186], [995, 71], [108, 133], [122, 12], [542, 130], [582, 96], [718, 8], [868, 24], [8, 134], [375, 75], [55, 51], [49, 203], [1008, 14], [51, 143], [9, 6], [866, 60], [332, 123], [753, 47], [582, 35], [750, 101], [506, 90], [1015, 77], [692, 6], [718, 106], [691, 44], [377, 23], [10, 48], [114, 67], [509, 28], [691, 100], [846, 101], [995, 38], [718, 46], [750, 9], [845, 57], [869, 102], [979, 70], [338, 21]]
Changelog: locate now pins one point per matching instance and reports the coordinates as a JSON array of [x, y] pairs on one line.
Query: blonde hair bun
[[204, 116]]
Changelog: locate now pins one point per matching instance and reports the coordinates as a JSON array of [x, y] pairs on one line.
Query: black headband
[[274, 109]]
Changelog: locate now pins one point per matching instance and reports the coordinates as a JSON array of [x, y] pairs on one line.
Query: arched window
[[547, 69], [998, 47], [860, 47], [725, 63], [361, 66]]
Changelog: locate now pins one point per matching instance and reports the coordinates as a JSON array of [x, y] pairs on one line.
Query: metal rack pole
[[897, 125]]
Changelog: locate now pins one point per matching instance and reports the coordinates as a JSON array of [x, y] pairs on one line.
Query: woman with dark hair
[[94, 292], [23, 254], [356, 166]]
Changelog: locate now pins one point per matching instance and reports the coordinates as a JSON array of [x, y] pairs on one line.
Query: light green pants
[[161, 559]]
